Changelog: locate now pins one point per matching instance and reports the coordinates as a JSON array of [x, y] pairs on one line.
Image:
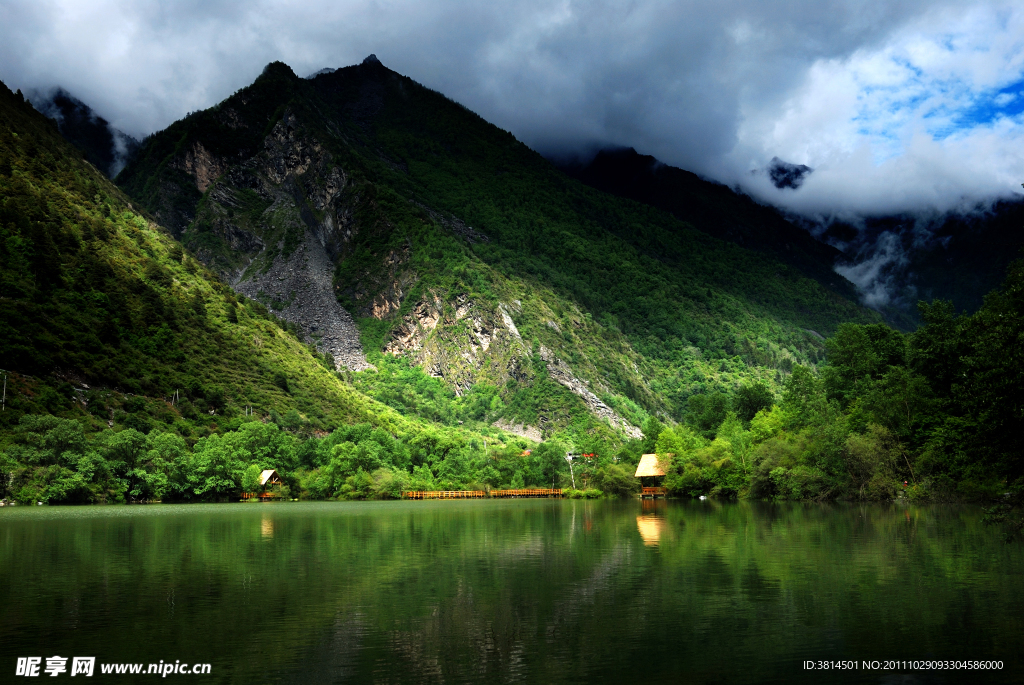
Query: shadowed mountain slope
[[714, 209], [106, 147], [898, 260]]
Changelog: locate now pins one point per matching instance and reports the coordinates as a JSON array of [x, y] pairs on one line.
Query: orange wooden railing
[[472, 494], [443, 494], [654, 492], [528, 492], [260, 495]]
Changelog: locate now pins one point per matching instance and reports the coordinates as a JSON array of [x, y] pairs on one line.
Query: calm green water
[[539, 591]]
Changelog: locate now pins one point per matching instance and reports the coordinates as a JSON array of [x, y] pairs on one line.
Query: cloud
[[880, 272], [895, 104], [932, 119]]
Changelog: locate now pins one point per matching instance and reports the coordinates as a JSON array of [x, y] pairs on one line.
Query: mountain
[[716, 209], [889, 262], [104, 146], [130, 371], [463, 255], [491, 293], [104, 314], [897, 260], [786, 175]]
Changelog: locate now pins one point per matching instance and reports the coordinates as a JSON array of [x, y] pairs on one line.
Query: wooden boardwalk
[[443, 494], [528, 492], [477, 494], [263, 496], [653, 492]]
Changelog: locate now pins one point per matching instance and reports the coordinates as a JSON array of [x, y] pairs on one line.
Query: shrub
[[616, 480]]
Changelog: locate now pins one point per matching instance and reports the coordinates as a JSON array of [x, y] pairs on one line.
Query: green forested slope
[[936, 413], [92, 290], [713, 208], [438, 207], [131, 372]]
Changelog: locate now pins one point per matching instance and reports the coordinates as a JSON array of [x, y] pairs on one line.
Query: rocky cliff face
[[201, 165], [459, 341], [561, 373], [272, 225], [297, 203], [300, 287], [463, 341]]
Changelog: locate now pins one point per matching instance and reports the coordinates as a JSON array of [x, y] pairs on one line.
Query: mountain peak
[[106, 147], [786, 175], [371, 59], [277, 70]]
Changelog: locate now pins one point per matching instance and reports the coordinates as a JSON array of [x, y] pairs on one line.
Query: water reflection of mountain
[[545, 591]]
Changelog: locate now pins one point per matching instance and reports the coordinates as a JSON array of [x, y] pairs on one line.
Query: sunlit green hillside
[[94, 293], [445, 230], [119, 352]]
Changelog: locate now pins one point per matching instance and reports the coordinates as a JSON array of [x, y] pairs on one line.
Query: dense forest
[[133, 372], [931, 414]]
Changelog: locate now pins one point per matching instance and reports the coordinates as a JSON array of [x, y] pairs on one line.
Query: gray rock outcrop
[[561, 373], [303, 284]]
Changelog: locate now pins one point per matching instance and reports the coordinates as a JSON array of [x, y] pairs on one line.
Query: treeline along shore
[[930, 415]]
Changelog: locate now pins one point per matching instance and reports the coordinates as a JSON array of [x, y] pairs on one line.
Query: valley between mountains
[[358, 282]]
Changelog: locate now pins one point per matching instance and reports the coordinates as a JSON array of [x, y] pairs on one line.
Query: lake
[[496, 591]]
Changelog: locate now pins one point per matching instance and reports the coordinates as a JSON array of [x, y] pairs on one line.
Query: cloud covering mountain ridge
[[898, 106]]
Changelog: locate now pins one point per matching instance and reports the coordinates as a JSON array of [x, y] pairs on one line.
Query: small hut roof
[[267, 475], [649, 466]]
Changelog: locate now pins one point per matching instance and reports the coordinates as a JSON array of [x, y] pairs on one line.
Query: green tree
[[126, 449], [767, 423], [706, 413], [651, 429], [739, 438], [616, 480], [751, 398], [857, 354], [251, 479], [215, 469], [899, 400], [803, 398]]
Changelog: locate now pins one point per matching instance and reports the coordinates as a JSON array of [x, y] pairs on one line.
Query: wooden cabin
[[270, 482], [270, 477], [651, 475]]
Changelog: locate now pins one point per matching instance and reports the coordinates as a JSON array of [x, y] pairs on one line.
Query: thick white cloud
[[930, 119], [871, 93]]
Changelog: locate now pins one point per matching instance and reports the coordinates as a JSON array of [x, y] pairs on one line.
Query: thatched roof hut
[[270, 477], [649, 466]]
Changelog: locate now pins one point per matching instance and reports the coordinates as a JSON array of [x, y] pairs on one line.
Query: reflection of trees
[[505, 590]]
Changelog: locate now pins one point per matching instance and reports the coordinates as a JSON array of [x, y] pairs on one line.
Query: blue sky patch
[[986, 109]]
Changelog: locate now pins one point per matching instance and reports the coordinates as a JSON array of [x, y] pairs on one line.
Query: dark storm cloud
[[719, 88]]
